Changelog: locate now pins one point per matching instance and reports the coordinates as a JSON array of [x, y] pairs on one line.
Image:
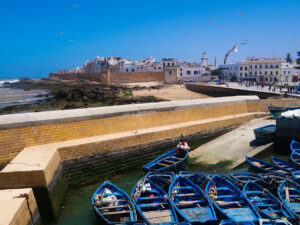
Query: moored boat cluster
[[167, 195]]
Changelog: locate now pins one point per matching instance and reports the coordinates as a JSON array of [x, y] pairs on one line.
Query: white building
[[259, 69], [204, 60], [289, 73]]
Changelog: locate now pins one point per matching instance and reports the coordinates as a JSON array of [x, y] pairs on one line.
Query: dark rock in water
[[25, 80], [61, 95]]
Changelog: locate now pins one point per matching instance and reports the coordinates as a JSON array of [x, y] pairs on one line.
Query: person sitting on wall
[[182, 147]]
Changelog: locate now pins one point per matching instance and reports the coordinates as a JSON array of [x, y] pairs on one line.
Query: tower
[[204, 60]]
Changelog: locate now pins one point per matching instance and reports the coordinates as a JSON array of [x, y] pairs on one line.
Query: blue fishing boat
[[229, 222], [265, 134], [198, 178], [243, 178], [112, 205], [276, 111], [153, 204], [231, 180], [163, 179], [191, 202], [289, 193], [284, 164], [261, 166], [230, 201], [295, 145], [170, 161], [268, 206], [274, 222], [296, 175], [295, 157]]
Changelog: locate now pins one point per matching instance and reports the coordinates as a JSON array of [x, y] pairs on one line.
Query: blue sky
[[42, 36]]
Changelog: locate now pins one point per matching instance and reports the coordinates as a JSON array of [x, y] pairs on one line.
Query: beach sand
[[170, 92]]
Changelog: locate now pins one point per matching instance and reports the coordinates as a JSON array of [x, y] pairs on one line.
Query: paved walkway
[[232, 146]]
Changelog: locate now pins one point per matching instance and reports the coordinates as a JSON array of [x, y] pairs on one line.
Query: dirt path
[[170, 92]]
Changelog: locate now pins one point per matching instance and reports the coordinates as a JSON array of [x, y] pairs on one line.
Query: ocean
[[13, 96]]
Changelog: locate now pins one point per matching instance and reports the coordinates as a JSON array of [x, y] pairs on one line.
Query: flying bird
[[210, 21], [75, 6], [233, 49]]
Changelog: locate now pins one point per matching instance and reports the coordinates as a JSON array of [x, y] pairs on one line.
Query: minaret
[[204, 60]]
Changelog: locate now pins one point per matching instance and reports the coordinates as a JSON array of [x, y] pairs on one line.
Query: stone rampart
[[102, 77], [108, 77], [136, 77], [220, 91]]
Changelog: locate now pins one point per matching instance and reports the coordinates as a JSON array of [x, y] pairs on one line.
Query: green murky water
[[78, 210]]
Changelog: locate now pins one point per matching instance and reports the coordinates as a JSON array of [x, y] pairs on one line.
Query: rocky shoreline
[[72, 95]]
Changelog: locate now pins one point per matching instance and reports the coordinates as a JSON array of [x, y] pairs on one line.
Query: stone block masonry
[[31, 129], [108, 77]]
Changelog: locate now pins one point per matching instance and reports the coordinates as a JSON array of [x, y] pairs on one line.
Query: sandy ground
[[232, 146], [170, 92]]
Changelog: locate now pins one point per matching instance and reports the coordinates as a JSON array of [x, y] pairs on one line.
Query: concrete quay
[[232, 146], [40, 169], [220, 90], [16, 210]]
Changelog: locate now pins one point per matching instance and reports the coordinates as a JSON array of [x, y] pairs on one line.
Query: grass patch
[[127, 94], [219, 167]]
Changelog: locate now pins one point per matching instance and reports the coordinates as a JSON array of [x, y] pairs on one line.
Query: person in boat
[[182, 147]]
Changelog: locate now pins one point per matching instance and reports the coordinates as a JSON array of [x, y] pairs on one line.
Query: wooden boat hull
[[263, 167], [276, 111], [228, 222], [265, 134], [268, 206], [284, 165], [230, 201], [122, 211], [163, 179], [295, 158], [153, 205], [293, 202], [200, 179], [169, 161], [295, 145], [243, 178], [191, 202]]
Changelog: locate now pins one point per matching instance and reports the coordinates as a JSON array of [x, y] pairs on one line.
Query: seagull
[[233, 49]]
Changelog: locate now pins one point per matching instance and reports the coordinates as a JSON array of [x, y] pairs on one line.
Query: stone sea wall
[[81, 131], [219, 91], [108, 77]]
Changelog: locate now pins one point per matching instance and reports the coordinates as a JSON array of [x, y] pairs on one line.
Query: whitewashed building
[[259, 69]]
